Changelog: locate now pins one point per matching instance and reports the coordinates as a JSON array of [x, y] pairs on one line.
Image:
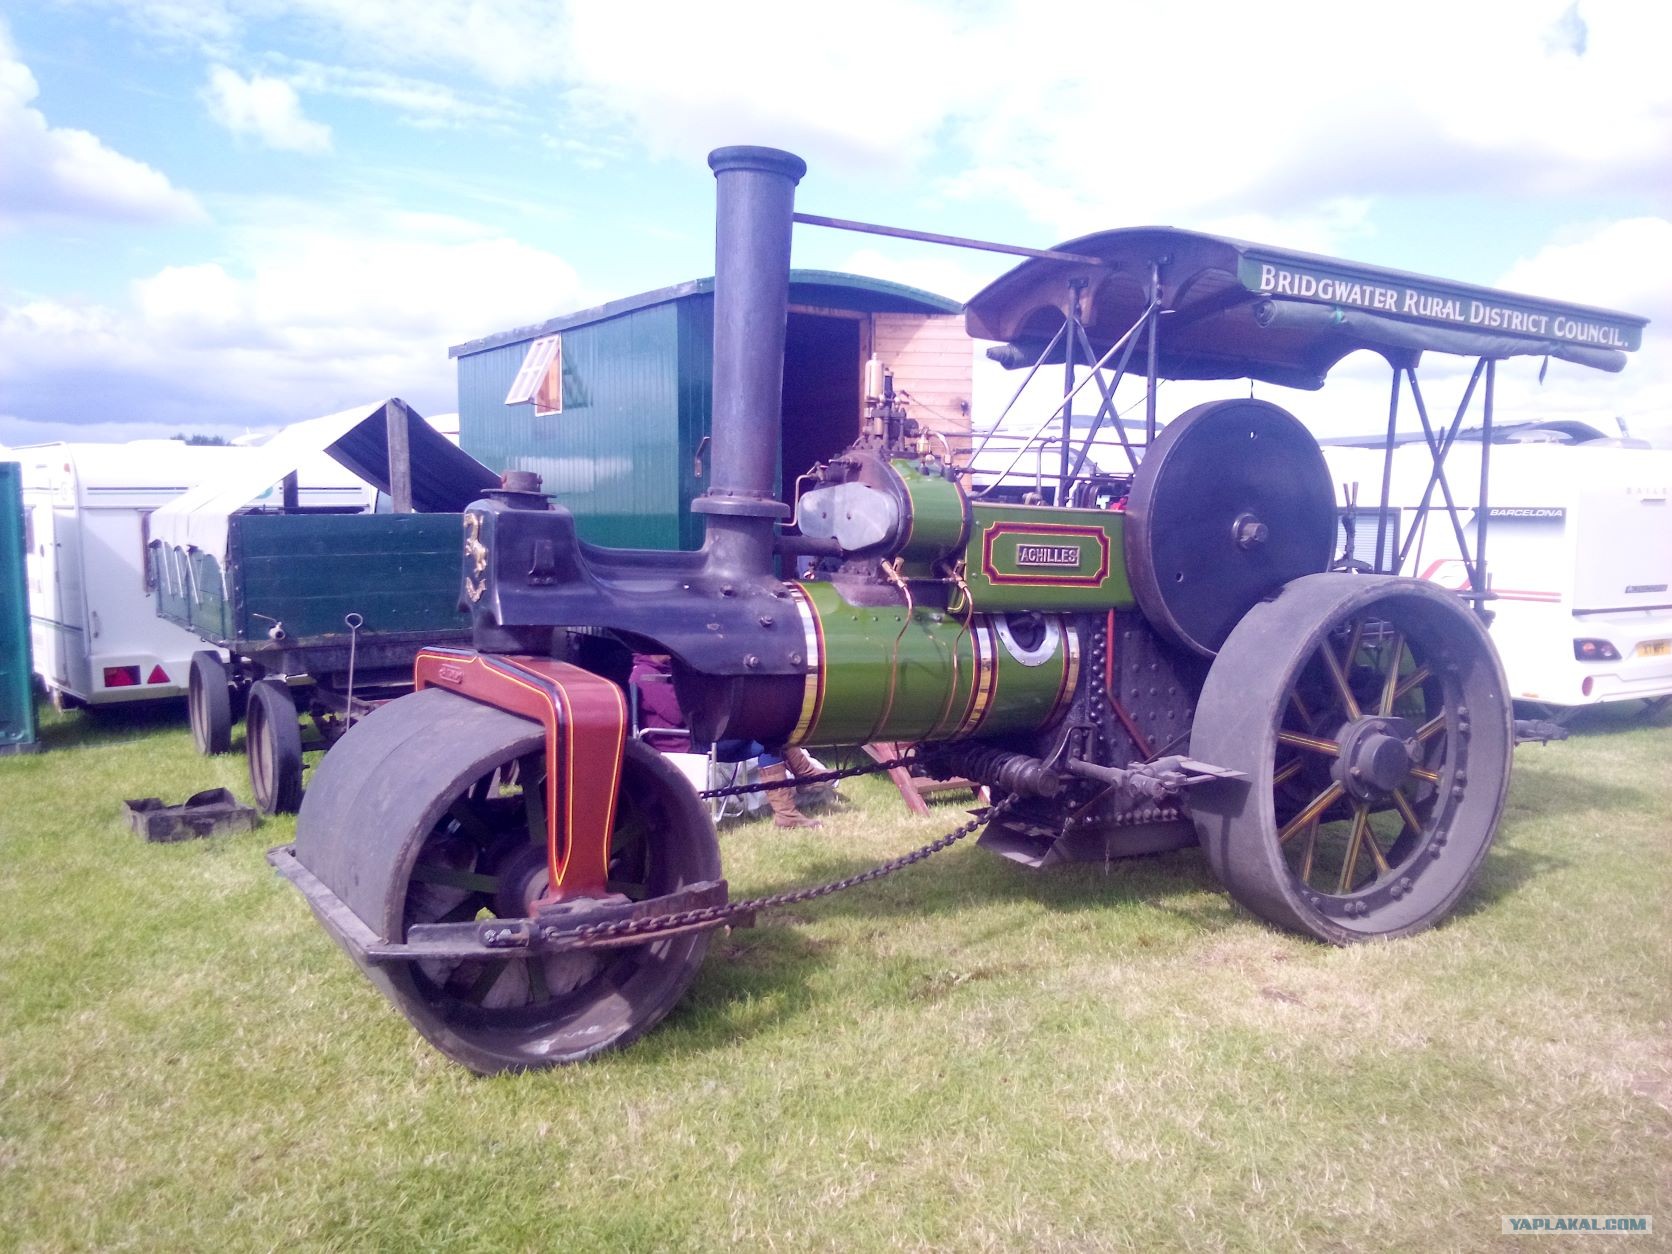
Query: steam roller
[[529, 885]]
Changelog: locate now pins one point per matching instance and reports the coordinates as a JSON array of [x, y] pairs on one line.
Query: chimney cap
[[766, 160]]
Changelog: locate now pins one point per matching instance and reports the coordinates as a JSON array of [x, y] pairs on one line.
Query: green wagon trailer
[[314, 613]]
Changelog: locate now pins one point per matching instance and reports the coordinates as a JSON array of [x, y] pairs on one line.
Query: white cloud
[[1096, 116], [1626, 266], [306, 314], [54, 172], [264, 108], [1288, 106], [420, 102], [955, 274]]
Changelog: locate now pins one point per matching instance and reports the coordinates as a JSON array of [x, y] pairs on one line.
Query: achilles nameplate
[[1042, 554], [1048, 555]]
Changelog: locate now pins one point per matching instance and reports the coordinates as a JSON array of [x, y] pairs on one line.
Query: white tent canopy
[[444, 478]]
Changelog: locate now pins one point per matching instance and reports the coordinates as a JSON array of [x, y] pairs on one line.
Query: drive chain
[[806, 781], [717, 916]]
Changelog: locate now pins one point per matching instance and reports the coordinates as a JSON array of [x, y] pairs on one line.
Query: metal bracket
[[554, 928], [1159, 780]]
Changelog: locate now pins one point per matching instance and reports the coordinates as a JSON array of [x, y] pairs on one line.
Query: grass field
[[968, 1056]]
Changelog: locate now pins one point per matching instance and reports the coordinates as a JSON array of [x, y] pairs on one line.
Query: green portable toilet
[[17, 697]]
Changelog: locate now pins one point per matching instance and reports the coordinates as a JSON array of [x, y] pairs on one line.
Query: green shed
[[610, 406], [17, 694]]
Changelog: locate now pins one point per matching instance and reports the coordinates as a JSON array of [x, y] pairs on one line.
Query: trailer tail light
[[121, 677], [157, 676], [1595, 651]]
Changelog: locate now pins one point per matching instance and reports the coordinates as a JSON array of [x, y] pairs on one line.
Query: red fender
[[585, 718]]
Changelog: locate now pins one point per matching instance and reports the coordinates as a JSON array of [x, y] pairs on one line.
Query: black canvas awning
[[1233, 310]]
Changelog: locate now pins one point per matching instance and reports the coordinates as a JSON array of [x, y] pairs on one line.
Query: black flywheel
[[1231, 502]]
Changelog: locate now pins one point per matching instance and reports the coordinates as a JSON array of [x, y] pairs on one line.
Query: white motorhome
[[1578, 556]]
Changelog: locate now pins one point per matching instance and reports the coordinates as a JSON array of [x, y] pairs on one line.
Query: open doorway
[[822, 366]]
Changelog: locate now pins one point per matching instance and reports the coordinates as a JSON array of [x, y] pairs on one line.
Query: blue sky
[[224, 214]]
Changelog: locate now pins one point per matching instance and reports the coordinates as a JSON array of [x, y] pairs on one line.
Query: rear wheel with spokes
[[1370, 719]]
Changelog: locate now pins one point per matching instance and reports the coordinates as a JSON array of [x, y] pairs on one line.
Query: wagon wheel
[[431, 809], [209, 703], [1370, 717], [273, 742]]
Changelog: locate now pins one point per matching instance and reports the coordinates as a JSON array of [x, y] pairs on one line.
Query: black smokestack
[[755, 190]]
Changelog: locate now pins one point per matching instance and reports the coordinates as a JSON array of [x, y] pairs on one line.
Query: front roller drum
[[1370, 718], [431, 810]]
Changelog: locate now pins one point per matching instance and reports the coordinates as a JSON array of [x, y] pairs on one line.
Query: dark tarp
[[445, 479], [1234, 310]]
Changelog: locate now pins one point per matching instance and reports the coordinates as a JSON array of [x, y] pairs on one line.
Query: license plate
[[1654, 648]]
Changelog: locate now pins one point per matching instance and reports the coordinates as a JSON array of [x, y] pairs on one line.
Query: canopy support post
[[400, 457], [1387, 480], [1154, 351], [1482, 588], [1107, 408], [1071, 345], [1437, 451]]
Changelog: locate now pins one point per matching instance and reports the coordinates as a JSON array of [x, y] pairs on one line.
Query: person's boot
[[799, 763], [782, 799]]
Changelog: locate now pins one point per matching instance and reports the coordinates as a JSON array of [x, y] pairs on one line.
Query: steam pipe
[[755, 193]]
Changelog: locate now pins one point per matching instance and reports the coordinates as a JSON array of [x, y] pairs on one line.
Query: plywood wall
[[932, 359]]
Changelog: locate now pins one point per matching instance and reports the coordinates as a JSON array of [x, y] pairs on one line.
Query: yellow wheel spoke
[[1300, 706], [1390, 684], [1354, 639], [1286, 772], [1361, 820], [1313, 809], [1427, 731], [1370, 842], [1306, 854], [1333, 665], [1317, 744], [1418, 676], [1405, 811], [1433, 777]]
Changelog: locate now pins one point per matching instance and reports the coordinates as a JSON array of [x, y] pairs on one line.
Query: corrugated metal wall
[[696, 410], [628, 452], [611, 455]]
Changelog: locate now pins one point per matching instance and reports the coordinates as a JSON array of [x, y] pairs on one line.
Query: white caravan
[[94, 627], [1578, 557], [96, 636]]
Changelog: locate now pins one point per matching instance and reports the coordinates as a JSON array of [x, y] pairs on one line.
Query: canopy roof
[[1235, 310]]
